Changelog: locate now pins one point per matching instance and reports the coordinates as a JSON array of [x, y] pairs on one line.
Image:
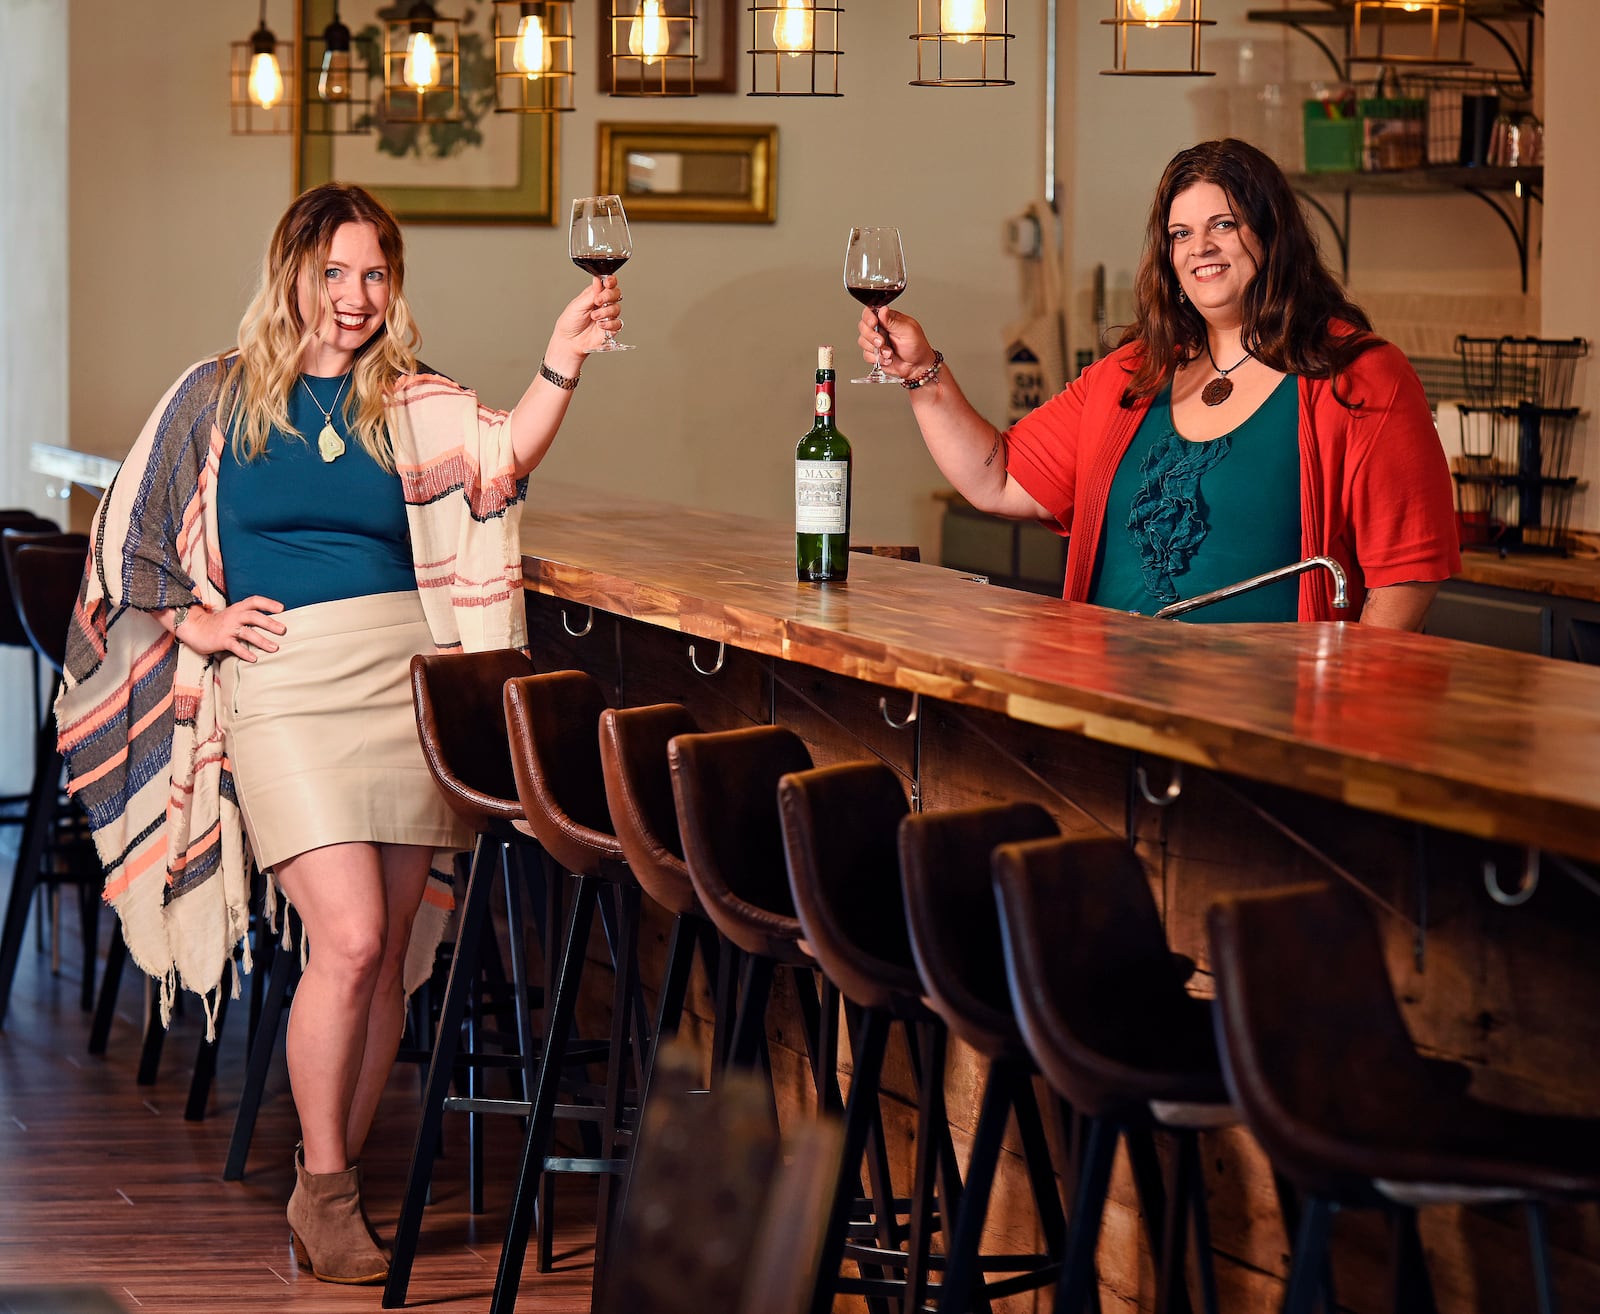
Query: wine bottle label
[[824, 399], [821, 496]]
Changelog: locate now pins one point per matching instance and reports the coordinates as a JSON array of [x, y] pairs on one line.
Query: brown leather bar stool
[[45, 572], [1102, 1005], [1319, 1059], [553, 722], [841, 827], [12, 635], [459, 699], [945, 860], [638, 778]]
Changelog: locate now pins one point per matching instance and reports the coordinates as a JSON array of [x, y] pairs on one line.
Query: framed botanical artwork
[[477, 168], [716, 59], [701, 173]]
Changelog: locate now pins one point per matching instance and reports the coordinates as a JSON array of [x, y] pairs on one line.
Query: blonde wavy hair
[[273, 335]]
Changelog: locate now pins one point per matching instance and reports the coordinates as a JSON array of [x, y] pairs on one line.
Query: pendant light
[[261, 103], [1374, 22], [653, 47], [422, 67], [533, 56], [794, 48], [338, 84], [1171, 26], [962, 43]]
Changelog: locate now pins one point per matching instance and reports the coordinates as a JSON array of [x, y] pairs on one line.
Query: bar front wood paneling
[[1487, 743]]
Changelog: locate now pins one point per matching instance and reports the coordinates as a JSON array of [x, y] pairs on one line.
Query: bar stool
[[955, 938], [840, 827], [1318, 1057], [638, 778], [45, 574], [553, 723], [12, 635], [1102, 1005], [459, 699]]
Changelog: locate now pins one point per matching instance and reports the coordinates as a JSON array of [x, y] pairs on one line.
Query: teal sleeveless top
[[294, 527], [1184, 518]]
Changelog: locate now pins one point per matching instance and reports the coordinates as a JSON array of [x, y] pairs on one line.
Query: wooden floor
[[103, 1184]]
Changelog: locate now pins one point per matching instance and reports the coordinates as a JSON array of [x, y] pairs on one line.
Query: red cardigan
[[1375, 489]]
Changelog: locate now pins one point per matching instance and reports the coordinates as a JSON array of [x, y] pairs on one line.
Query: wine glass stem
[[876, 373]]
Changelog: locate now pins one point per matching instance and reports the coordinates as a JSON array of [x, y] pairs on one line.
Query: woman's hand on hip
[[239, 628], [894, 340]]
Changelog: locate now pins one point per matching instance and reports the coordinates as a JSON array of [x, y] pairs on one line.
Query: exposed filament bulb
[[648, 36], [962, 19], [793, 29]]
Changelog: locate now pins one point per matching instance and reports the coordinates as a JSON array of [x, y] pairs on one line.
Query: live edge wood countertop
[[1472, 739]]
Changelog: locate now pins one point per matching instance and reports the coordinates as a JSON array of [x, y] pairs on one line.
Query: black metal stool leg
[[25, 877], [961, 1260], [1310, 1256], [537, 1143], [284, 973], [1078, 1281], [1539, 1249], [472, 922], [110, 982]]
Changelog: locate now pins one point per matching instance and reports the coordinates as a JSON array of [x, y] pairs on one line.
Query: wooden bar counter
[[1401, 764]]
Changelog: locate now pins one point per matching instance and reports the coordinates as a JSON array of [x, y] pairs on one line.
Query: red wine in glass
[[874, 274], [600, 244]]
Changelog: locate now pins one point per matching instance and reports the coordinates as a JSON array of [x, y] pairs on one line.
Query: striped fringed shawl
[[137, 710]]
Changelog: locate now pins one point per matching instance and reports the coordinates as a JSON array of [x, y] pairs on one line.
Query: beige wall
[[33, 313]]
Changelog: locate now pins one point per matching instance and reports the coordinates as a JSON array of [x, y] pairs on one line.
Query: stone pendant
[[1217, 391], [330, 444]]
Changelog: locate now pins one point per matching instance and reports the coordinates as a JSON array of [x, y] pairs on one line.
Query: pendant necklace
[[329, 444], [1220, 388]]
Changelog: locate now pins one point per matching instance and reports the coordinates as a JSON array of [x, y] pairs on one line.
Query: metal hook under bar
[[588, 623], [1525, 888], [1173, 792], [722, 652], [911, 716]]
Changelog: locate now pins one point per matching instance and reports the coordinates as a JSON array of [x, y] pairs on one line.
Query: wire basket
[[1512, 485], [1461, 109]]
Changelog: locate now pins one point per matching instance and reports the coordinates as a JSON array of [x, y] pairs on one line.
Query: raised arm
[[581, 327], [969, 450]]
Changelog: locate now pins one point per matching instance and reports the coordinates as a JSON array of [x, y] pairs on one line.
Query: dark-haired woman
[[300, 516], [1248, 419]]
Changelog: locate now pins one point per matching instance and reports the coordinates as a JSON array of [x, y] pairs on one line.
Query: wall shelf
[[1510, 193]]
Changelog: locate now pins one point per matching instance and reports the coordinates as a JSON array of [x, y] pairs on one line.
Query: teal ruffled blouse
[[1184, 517]]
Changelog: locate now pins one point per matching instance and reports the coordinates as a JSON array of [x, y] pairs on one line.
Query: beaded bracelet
[[560, 380], [928, 375]]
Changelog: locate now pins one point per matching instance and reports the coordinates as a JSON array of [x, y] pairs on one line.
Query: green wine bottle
[[822, 490]]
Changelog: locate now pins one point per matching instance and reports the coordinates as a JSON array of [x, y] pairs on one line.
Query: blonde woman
[[300, 517]]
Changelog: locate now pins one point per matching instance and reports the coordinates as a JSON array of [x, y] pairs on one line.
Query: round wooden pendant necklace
[[329, 445], [1220, 388]]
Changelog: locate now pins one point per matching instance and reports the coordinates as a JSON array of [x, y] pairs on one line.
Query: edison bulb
[[528, 55], [648, 36], [422, 61], [792, 30], [1153, 11], [266, 80], [334, 84], [962, 19]]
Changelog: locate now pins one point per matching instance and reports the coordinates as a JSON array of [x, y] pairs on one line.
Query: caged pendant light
[[794, 48], [962, 43], [260, 100], [653, 47], [422, 67], [1157, 24], [533, 72], [1373, 22], [337, 76]]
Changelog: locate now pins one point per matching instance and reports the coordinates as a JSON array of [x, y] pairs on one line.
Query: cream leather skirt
[[322, 734]]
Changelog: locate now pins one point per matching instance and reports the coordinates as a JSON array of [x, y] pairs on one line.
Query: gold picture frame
[[696, 173], [716, 65], [487, 169]]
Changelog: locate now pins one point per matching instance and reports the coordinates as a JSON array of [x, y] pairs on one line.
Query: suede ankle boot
[[330, 1236]]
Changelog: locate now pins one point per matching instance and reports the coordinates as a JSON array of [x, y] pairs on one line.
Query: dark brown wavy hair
[[1289, 303]]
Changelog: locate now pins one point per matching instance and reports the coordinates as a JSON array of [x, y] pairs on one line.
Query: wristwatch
[[179, 615]]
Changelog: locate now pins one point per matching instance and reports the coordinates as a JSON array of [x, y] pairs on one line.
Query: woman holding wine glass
[[1249, 419], [301, 515]]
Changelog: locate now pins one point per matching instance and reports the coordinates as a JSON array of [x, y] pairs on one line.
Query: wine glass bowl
[[600, 244], [874, 274]]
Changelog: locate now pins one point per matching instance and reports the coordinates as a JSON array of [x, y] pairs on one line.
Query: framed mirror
[[718, 173]]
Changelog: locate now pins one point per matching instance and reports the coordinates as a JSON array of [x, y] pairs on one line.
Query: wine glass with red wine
[[601, 244], [874, 274]]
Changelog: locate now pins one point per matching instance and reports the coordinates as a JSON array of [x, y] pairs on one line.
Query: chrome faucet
[[1340, 597]]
